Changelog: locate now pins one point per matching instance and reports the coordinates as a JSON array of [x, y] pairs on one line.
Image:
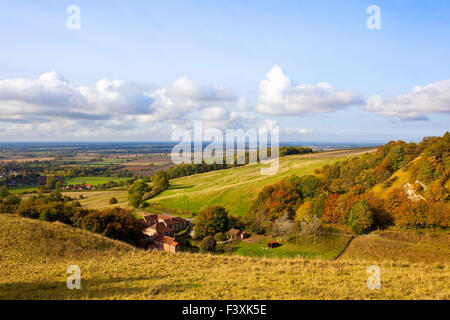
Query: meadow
[[35, 256], [325, 247]]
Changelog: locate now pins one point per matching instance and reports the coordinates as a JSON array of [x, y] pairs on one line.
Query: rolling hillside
[[235, 188], [34, 256]]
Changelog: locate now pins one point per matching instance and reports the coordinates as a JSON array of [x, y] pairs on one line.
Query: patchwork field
[[235, 188], [34, 257]]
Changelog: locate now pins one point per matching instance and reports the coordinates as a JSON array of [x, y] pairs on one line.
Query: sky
[[138, 70]]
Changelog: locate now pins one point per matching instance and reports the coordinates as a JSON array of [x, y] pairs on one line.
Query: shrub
[[113, 200], [361, 217], [208, 244], [220, 236]]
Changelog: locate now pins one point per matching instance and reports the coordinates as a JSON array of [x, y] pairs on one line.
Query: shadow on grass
[[90, 289], [180, 186]]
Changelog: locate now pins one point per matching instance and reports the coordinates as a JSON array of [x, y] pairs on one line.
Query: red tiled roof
[[167, 240], [234, 232], [161, 228]]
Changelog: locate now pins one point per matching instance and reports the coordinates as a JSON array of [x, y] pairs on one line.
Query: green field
[[235, 188], [95, 181], [19, 190], [326, 247]]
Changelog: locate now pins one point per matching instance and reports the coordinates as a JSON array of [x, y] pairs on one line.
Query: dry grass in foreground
[[34, 256]]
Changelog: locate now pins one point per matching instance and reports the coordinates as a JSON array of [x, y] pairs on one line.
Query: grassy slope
[[235, 188], [400, 245], [34, 256]]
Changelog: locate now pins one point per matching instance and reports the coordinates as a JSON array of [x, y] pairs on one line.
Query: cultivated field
[[34, 257]]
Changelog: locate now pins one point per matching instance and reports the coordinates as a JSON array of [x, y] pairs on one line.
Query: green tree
[[361, 217], [4, 192], [208, 244], [113, 200], [211, 221], [136, 192]]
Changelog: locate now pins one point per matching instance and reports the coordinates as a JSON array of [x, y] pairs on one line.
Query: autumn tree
[[211, 221], [361, 217]]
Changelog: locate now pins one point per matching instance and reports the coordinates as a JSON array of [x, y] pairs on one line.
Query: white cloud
[[214, 113], [278, 96], [415, 105], [299, 131], [53, 106]]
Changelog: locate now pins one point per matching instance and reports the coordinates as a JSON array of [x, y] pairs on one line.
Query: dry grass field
[[100, 199], [34, 257], [400, 245]]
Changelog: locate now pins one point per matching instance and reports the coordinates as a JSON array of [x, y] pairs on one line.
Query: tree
[[160, 181], [283, 227], [136, 192], [220, 236], [4, 192], [329, 212], [361, 217], [208, 244], [307, 221], [211, 221], [113, 200]]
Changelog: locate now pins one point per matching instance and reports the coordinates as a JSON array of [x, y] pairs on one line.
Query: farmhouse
[[163, 225], [160, 229], [165, 243], [235, 234]]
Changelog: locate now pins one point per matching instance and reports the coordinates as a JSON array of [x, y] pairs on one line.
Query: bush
[[113, 200], [208, 244], [220, 236], [361, 217]]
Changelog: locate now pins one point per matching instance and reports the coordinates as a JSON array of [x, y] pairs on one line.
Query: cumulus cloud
[[278, 96], [415, 105], [53, 96], [51, 103]]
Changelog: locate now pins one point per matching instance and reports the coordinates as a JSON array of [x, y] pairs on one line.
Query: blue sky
[[225, 49]]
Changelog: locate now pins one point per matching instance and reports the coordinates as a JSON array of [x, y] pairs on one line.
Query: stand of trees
[[116, 223], [340, 193]]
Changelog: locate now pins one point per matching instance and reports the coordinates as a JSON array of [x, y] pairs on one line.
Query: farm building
[[236, 234]]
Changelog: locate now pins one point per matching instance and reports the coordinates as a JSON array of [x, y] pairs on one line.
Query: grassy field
[[235, 188], [95, 181], [35, 255], [100, 199], [19, 190], [326, 248]]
